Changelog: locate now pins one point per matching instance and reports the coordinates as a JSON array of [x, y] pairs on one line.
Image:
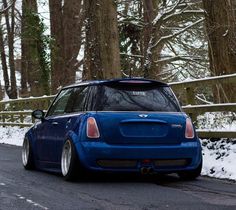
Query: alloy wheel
[[66, 158], [25, 152]]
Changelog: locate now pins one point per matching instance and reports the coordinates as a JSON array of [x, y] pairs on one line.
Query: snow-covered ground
[[218, 157], [12, 135], [218, 121]]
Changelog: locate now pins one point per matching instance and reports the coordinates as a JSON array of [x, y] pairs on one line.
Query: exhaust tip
[[150, 170], [144, 170]]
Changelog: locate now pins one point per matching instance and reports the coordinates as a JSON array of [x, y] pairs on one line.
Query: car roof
[[117, 81]]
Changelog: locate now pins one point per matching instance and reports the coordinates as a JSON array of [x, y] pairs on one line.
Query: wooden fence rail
[[26, 103], [12, 114]]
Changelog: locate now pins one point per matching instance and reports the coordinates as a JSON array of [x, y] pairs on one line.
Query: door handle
[[55, 123]]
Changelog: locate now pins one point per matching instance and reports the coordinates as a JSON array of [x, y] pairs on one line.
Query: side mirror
[[38, 114]]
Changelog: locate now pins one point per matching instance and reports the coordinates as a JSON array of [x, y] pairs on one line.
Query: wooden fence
[[17, 112], [12, 112], [190, 88]]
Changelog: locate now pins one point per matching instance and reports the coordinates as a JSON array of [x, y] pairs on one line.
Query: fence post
[[21, 119], [3, 119], [12, 117], [21, 106], [32, 119], [49, 101], [191, 101]]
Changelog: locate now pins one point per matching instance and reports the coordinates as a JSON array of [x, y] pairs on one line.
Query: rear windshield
[[133, 98]]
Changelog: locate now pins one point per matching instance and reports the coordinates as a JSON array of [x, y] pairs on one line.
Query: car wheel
[[69, 162], [192, 174], [27, 155]]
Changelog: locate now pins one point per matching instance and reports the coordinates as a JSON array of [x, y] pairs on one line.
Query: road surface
[[20, 189]]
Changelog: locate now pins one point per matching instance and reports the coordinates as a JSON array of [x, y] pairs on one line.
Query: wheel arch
[[74, 138]]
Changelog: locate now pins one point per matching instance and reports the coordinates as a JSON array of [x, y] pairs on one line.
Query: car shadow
[[159, 179]]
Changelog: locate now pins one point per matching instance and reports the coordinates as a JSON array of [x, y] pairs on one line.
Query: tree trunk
[[102, 54], [151, 34], [66, 25], [57, 45], [221, 32], [4, 64], [36, 69], [10, 23], [72, 25], [148, 16], [24, 50], [27, 6]]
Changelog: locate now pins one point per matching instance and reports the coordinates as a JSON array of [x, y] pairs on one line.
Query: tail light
[[189, 131], [92, 128]]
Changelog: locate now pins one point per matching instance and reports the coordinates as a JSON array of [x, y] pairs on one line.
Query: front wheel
[[69, 161], [27, 155], [192, 174]]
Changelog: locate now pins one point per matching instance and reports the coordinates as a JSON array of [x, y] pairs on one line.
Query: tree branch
[[179, 57], [184, 12], [177, 33], [5, 9]]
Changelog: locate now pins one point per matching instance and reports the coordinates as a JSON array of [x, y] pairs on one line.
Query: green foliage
[[38, 49]]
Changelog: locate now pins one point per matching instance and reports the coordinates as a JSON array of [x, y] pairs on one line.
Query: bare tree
[[9, 16], [162, 29], [4, 61]]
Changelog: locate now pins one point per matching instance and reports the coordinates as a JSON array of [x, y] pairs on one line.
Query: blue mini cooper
[[124, 125]]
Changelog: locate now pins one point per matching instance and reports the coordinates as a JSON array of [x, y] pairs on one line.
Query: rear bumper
[[90, 154]]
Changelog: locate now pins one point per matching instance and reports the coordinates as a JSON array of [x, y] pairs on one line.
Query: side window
[[91, 98], [60, 104], [79, 99]]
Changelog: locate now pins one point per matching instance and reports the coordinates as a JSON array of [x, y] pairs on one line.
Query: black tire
[[192, 174], [27, 155], [70, 170]]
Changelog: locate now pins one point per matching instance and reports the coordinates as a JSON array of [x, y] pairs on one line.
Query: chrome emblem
[[143, 115], [176, 126]]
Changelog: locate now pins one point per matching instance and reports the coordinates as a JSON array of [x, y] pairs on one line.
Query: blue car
[[122, 125]]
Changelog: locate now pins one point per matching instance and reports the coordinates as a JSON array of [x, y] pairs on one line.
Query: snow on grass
[[219, 158], [217, 121], [12, 135]]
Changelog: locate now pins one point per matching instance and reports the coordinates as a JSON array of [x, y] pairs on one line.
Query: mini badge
[[143, 115]]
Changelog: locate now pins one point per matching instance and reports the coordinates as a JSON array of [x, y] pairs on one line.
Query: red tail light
[[189, 131], [92, 128]]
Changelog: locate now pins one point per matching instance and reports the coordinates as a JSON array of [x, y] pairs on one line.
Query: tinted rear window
[[136, 98]]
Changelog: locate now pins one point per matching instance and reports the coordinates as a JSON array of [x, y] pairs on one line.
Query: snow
[[219, 159], [210, 105], [205, 79], [217, 121], [219, 156], [12, 135], [31, 97]]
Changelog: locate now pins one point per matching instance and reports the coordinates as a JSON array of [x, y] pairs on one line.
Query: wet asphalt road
[[20, 189]]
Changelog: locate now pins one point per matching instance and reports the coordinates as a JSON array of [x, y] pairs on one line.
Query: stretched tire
[[27, 155], [70, 166], [192, 174]]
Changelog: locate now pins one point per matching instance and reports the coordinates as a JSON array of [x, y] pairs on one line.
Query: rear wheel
[[27, 155], [69, 162], [192, 174]]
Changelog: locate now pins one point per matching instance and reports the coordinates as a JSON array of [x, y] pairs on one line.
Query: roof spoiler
[[134, 81]]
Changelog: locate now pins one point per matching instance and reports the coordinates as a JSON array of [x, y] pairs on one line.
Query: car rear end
[[137, 125]]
